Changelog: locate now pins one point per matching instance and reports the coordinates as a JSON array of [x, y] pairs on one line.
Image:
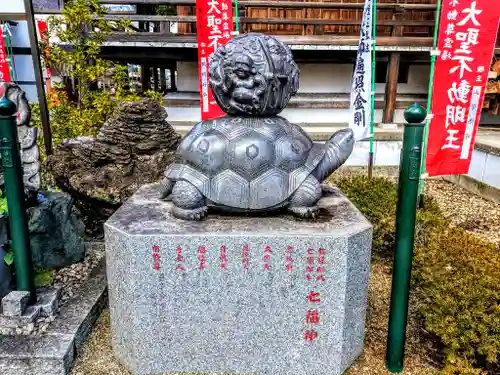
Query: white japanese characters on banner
[[360, 107], [214, 28], [467, 36]]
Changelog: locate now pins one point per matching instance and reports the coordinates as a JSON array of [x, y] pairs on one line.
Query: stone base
[[53, 353], [16, 313], [263, 295]]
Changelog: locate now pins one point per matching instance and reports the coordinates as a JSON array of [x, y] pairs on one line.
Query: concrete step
[[317, 133], [302, 100]]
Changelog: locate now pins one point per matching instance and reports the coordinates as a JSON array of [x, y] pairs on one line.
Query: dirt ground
[[464, 209]]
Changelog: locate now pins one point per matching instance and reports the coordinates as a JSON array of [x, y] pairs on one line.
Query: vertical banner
[[43, 33], [4, 60], [360, 106], [214, 28], [467, 36]]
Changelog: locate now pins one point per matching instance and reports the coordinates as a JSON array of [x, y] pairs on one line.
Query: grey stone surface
[[14, 303], [28, 316], [224, 295], [40, 355], [54, 352], [133, 147], [79, 314], [27, 135], [44, 5], [56, 233], [48, 300]]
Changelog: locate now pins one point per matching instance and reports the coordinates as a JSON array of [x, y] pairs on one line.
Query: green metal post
[[409, 175], [12, 170]]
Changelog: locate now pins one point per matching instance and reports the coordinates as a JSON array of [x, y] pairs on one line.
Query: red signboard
[[4, 62], [467, 36], [214, 28], [44, 36]]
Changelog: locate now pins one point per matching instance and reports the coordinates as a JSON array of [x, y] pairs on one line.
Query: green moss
[[456, 276]]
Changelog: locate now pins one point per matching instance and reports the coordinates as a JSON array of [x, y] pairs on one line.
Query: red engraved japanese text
[[267, 258], [246, 258], [180, 259], [289, 259], [223, 257], [156, 257], [202, 257]]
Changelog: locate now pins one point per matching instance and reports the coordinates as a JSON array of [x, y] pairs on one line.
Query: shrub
[[456, 276], [376, 198]]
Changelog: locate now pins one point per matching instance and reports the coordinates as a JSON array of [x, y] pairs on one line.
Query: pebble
[[69, 279]]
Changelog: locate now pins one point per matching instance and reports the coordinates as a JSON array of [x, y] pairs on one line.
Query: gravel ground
[[464, 209]]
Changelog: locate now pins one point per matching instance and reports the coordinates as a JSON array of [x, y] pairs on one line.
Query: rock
[[5, 275], [132, 148], [56, 233]]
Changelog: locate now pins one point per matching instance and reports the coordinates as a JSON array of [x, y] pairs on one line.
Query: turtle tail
[[337, 150]]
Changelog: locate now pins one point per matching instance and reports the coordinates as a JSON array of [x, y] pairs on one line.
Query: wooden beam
[[281, 4], [340, 40], [145, 77], [288, 21], [163, 80], [12, 17], [155, 79], [391, 86]]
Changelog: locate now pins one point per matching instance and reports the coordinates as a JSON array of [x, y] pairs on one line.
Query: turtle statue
[[252, 160]]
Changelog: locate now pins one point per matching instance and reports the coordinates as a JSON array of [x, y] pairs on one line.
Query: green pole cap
[[7, 107], [415, 114]]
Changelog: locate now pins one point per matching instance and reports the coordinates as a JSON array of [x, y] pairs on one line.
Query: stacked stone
[[133, 147]]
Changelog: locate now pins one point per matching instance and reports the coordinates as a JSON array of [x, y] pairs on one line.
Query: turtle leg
[[189, 203], [303, 201], [166, 187]]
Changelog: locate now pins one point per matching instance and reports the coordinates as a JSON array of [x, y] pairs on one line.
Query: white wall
[[187, 76], [319, 78], [485, 168], [11, 6]]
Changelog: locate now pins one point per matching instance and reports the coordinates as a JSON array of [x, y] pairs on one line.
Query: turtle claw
[[330, 190], [194, 214], [304, 212]]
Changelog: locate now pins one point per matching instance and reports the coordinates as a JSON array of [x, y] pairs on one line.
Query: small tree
[[80, 32]]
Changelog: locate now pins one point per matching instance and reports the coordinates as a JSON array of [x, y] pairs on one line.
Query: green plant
[[456, 276], [9, 257], [43, 277], [81, 28], [376, 198]]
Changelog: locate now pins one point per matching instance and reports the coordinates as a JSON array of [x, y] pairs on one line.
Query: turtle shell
[[246, 162]]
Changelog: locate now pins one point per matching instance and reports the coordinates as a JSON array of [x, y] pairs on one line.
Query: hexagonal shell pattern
[[229, 189]]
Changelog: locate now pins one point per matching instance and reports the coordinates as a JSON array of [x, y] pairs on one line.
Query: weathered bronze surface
[[252, 160]]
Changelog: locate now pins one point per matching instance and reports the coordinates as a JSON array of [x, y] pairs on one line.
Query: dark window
[[381, 72]]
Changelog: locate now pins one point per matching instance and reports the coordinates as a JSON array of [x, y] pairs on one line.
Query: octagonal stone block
[[260, 295]]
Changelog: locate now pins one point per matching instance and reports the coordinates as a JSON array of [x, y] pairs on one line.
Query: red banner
[[4, 61], [43, 32], [467, 36], [214, 27]]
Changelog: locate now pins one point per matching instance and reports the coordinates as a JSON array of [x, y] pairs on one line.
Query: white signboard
[[12, 6], [360, 109]]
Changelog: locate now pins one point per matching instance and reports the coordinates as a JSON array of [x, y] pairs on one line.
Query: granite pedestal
[[261, 295]]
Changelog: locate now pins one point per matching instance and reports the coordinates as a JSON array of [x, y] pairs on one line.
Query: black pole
[[40, 87]]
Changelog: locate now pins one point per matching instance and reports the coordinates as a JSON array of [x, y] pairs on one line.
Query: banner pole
[[236, 18], [372, 109], [434, 55]]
